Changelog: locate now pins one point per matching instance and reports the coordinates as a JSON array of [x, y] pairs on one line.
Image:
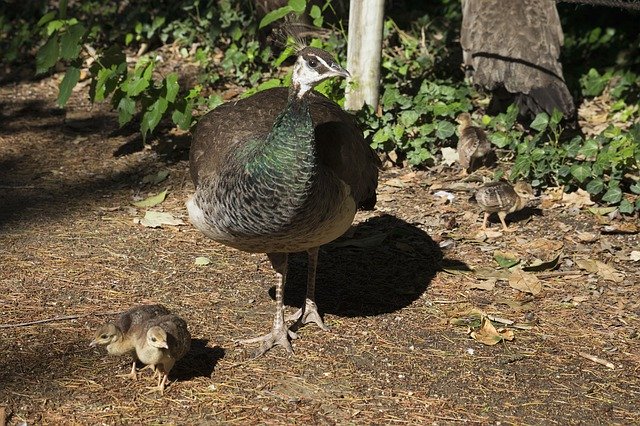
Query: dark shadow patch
[[200, 361], [381, 266]]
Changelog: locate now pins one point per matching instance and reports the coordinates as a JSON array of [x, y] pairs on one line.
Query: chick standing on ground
[[502, 198], [473, 144], [118, 337], [160, 342]]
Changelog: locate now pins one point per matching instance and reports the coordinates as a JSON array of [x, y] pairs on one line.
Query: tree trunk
[[364, 52]]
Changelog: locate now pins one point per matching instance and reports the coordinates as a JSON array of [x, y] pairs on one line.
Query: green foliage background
[[423, 88]]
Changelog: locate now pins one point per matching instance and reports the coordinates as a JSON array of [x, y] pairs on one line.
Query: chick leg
[[486, 219], [309, 311], [502, 216], [279, 334], [132, 374]]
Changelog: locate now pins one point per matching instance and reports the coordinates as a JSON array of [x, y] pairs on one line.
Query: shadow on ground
[[381, 266]]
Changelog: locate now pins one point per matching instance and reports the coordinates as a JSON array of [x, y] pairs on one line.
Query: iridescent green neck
[[288, 152]]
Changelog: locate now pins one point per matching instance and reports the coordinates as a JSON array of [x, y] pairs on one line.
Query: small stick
[[597, 360], [558, 274], [64, 318]]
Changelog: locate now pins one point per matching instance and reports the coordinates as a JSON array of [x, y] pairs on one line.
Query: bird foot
[[306, 315], [131, 375], [277, 336]]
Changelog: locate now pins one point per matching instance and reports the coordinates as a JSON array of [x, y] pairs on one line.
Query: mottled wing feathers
[[496, 196], [138, 315], [339, 141], [516, 45]]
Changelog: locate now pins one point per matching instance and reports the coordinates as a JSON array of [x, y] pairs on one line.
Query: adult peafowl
[[282, 171]]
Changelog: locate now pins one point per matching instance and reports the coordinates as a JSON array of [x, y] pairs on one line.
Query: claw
[[307, 314]]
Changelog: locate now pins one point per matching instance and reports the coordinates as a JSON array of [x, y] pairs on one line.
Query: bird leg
[[279, 334], [309, 311], [502, 216], [486, 219], [132, 374]]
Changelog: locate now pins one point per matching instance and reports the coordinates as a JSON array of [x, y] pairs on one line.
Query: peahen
[[282, 171]]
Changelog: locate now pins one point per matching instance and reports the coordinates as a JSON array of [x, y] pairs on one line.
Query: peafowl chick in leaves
[[279, 172], [473, 145], [118, 336]]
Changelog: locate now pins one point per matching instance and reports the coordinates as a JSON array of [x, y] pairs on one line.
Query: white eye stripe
[[322, 61]]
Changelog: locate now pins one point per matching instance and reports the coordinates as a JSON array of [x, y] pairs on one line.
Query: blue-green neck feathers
[[287, 154]]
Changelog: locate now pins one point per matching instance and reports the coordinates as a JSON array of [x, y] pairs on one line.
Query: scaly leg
[[279, 334], [132, 374], [309, 311], [486, 219], [502, 216]]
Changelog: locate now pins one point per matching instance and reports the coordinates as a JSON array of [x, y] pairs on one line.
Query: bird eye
[[104, 336], [153, 339], [313, 63]]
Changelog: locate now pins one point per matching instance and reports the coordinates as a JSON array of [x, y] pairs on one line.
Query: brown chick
[[118, 336], [160, 343], [502, 198], [473, 144]]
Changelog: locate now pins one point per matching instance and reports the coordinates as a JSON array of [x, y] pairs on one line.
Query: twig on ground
[[597, 360], [64, 318]]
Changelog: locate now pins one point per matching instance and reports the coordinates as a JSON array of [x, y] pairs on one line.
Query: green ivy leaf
[[626, 206], [48, 55], [126, 109], [409, 117], [613, 195], [298, 6], [274, 15], [316, 14], [595, 186], [445, 129], [581, 172], [499, 139], [171, 83], [589, 149], [70, 41], [541, 122], [46, 18], [69, 81], [182, 115], [635, 188], [152, 116]]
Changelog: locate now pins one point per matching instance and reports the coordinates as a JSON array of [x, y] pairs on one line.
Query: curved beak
[[338, 71]]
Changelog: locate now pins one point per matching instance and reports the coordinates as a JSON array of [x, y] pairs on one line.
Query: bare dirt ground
[[394, 292]]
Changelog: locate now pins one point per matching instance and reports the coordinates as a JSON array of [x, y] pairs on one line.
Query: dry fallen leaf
[[621, 228], [607, 272], [154, 200], [579, 198], [153, 219], [488, 335], [587, 237], [525, 282], [484, 284], [634, 256], [545, 245], [202, 261], [449, 155]]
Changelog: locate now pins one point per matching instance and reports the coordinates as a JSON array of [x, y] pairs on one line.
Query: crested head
[[464, 119], [157, 337], [106, 335], [312, 67]]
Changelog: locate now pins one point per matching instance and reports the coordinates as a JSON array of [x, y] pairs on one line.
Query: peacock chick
[[118, 336], [473, 145], [282, 171], [502, 198], [160, 342]]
